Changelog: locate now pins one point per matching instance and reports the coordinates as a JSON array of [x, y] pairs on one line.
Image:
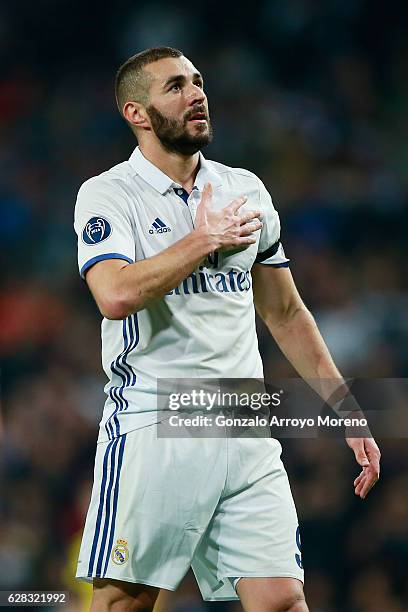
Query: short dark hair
[[132, 82]]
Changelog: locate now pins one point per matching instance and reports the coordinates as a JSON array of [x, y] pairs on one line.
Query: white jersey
[[205, 327]]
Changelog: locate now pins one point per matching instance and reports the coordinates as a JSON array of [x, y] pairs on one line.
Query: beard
[[173, 133]]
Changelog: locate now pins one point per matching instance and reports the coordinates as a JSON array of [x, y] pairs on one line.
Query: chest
[[166, 219]]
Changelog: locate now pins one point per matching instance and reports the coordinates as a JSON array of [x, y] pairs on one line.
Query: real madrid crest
[[120, 552]]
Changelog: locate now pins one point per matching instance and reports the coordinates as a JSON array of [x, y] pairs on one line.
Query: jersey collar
[[161, 182]]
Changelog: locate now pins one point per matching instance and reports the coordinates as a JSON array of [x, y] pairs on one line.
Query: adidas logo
[[158, 227]]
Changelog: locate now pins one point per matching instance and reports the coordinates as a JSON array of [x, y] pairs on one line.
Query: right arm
[[120, 288]]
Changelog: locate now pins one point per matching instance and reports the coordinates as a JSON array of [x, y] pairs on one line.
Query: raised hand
[[227, 227]]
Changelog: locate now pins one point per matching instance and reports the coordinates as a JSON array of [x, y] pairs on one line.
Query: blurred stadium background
[[313, 97]]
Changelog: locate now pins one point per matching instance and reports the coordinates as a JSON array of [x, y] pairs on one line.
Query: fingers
[[357, 489], [359, 482], [250, 228], [250, 222], [206, 195], [236, 204], [368, 456], [359, 479], [373, 453], [249, 216], [245, 240], [366, 483], [233, 229], [372, 475]]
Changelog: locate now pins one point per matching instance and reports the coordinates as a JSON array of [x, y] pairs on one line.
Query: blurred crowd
[[311, 96]]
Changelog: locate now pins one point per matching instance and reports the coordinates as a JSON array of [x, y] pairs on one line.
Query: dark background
[[312, 96]]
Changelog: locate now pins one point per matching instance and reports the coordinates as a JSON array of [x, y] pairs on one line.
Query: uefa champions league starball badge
[[96, 230], [120, 552]]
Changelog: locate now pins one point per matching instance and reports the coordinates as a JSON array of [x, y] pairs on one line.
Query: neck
[[181, 168]]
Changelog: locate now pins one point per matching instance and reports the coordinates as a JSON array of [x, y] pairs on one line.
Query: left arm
[[294, 329]]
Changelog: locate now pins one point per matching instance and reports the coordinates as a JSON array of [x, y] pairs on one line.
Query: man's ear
[[135, 114]]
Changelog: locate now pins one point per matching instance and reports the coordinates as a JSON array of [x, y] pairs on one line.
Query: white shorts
[[222, 506]]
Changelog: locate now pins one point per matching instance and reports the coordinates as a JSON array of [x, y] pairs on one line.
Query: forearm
[[296, 333], [298, 337], [140, 283]]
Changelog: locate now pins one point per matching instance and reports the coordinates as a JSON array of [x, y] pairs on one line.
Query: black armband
[[268, 253]]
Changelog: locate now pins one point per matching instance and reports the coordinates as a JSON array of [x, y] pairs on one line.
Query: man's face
[[178, 108]]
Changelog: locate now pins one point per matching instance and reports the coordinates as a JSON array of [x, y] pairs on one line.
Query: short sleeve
[[270, 249], [102, 224]]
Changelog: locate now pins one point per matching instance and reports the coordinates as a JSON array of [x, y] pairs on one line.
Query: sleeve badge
[[96, 230]]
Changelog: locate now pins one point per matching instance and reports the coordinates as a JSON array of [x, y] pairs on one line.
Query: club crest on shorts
[[120, 552], [96, 230]]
